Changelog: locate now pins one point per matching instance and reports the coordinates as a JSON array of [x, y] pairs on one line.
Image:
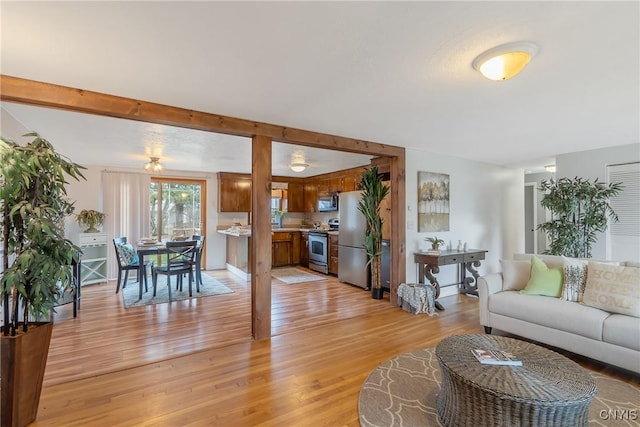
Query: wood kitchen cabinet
[[310, 197], [323, 185], [304, 249], [335, 184], [333, 254], [234, 192], [350, 182], [295, 197], [285, 248]]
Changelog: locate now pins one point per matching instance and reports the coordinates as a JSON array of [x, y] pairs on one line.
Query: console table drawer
[[451, 259], [473, 257], [87, 239]]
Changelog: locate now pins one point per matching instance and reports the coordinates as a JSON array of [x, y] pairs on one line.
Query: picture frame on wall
[[433, 201]]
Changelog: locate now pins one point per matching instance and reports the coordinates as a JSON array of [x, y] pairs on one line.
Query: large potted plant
[[579, 210], [373, 193], [33, 203]]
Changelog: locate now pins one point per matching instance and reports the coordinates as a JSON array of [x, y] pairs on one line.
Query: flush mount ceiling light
[[298, 163], [298, 166], [550, 168], [505, 61], [153, 165]]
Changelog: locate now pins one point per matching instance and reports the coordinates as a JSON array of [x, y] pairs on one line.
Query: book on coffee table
[[496, 357]]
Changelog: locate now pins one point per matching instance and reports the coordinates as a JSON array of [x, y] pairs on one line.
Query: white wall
[[10, 128], [592, 164], [486, 210]]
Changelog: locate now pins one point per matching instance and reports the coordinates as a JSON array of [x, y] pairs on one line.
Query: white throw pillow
[[515, 274], [575, 279], [613, 288]]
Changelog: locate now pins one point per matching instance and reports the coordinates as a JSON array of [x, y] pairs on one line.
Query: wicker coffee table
[[548, 389]]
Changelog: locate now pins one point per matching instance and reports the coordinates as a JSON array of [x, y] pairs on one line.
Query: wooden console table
[[428, 264]]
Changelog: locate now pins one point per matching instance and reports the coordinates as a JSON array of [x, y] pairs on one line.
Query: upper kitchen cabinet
[[295, 197], [234, 192], [350, 182], [310, 197]]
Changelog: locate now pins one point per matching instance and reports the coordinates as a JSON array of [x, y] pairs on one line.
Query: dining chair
[[199, 249], [181, 257], [127, 260]]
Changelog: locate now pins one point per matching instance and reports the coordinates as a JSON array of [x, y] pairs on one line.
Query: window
[[176, 208]]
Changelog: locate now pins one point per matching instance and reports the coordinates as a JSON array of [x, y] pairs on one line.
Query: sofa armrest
[[490, 284], [487, 285]]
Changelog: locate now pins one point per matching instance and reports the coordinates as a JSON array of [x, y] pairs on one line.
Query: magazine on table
[[496, 357]]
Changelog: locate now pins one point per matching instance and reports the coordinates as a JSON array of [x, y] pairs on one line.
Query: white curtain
[[126, 203]]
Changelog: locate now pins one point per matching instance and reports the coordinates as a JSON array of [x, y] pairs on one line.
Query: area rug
[[292, 275], [402, 392], [209, 287]]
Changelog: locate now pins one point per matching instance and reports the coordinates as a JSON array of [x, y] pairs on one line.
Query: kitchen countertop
[[241, 231]]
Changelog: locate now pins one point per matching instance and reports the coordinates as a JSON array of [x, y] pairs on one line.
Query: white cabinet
[[93, 258]]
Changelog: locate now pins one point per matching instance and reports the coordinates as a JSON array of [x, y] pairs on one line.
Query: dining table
[[147, 249]]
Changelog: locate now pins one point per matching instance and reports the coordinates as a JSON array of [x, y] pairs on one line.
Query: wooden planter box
[[23, 359]]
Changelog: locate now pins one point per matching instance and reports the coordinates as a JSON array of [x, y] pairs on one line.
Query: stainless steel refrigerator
[[352, 257]]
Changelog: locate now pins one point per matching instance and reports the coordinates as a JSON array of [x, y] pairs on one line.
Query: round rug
[[402, 392]]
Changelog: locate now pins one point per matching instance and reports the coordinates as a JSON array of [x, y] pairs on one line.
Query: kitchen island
[[288, 248], [237, 247]]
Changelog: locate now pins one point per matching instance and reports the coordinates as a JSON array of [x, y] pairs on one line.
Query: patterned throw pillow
[[575, 279], [128, 255], [613, 288]]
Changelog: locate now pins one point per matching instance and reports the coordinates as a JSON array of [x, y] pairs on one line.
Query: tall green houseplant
[[373, 193], [580, 209], [33, 203]]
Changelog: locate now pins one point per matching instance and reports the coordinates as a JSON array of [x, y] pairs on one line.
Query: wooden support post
[[398, 232], [261, 237]]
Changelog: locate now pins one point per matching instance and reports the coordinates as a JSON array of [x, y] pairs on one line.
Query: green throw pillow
[[543, 280]]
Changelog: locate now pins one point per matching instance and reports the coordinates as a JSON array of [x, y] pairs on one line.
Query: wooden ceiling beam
[[31, 92]]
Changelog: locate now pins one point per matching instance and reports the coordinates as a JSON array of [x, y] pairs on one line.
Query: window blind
[[624, 235]]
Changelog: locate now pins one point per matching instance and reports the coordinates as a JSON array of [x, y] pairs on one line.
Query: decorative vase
[[459, 245], [91, 230], [377, 293], [465, 247]]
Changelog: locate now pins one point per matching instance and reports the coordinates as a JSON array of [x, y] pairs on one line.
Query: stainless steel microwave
[[328, 202]]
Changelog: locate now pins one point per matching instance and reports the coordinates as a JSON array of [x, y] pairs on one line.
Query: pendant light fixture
[[505, 61], [153, 165]]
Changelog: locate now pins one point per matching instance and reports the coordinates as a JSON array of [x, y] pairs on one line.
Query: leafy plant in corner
[[579, 209], [33, 203], [373, 193]]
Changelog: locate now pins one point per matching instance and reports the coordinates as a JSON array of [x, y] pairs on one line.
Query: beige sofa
[[605, 336]]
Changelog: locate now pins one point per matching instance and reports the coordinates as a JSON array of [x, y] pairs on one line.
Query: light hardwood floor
[[194, 362]]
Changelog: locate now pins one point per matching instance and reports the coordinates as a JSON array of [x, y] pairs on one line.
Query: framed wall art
[[433, 201]]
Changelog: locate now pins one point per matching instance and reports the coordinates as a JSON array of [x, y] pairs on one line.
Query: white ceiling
[[392, 72]]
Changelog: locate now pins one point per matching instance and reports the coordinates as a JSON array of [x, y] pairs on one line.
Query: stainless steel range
[[319, 247], [318, 251]]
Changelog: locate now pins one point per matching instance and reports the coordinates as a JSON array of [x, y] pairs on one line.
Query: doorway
[[530, 221]]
